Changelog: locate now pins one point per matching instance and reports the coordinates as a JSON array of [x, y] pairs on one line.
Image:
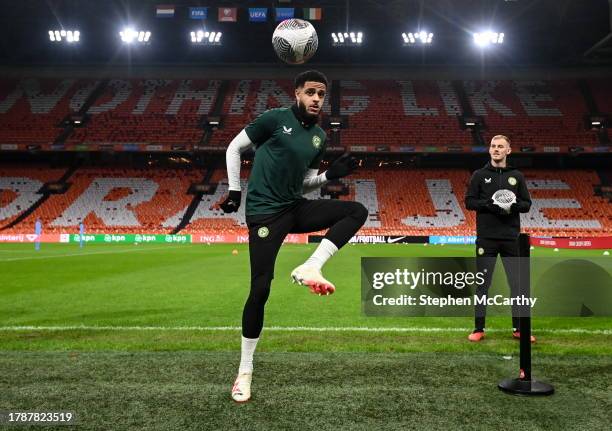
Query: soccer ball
[[504, 198], [295, 41]]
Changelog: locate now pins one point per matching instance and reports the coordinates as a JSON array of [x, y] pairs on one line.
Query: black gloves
[[495, 209], [341, 167], [232, 202]]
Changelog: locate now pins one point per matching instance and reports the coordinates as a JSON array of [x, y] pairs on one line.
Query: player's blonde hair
[[504, 137]]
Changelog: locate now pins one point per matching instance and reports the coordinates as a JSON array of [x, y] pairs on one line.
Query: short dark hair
[[310, 75]]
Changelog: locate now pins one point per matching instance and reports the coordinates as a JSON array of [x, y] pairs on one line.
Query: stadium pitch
[[147, 337]]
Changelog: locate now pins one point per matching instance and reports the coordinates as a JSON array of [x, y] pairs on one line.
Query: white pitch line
[[53, 256], [284, 329]]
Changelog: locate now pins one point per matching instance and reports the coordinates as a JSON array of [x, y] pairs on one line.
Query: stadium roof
[[545, 32]]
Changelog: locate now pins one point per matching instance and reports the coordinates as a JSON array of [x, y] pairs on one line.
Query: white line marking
[[284, 329], [53, 256]]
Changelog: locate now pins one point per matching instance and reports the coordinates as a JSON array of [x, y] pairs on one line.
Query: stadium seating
[[380, 113], [547, 113], [209, 218], [31, 109], [19, 186], [399, 201], [116, 201], [148, 111], [245, 100], [570, 202]]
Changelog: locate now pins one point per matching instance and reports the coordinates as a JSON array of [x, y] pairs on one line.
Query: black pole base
[[526, 387]]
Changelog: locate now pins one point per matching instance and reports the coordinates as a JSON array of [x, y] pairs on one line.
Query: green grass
[[193, 285], [156, 360], [190, 391]]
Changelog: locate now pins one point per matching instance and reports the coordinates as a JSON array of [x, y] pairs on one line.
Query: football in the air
[[295, 41]]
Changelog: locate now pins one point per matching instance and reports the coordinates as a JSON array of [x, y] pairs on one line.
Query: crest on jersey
[[263, 232], [480, 251], [512, 181], [316, 141]]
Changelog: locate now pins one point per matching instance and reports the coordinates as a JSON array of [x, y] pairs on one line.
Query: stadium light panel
[[68, 36], [129, 35], [349, 38], [201, 37], [486, 38], [421, 37]]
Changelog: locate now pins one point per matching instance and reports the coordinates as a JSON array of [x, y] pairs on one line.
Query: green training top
[[284, 151]]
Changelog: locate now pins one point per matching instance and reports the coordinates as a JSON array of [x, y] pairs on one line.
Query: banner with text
[[131, 238], [461, 286]]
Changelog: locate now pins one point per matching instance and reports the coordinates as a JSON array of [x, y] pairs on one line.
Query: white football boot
[[310, 276], [241, 391]]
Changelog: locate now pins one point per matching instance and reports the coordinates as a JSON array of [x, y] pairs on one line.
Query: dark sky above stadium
[[538, 32]]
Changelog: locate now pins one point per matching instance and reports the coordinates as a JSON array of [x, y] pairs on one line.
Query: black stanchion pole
[[525, 384]]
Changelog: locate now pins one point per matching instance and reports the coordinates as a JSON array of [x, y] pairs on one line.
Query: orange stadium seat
[[556, 119], [19, 186], [380, 112], [400, 202], [31, 110], [142, 112], [165, 197]]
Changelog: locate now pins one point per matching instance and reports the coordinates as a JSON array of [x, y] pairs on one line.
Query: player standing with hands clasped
[[497, 193], [289, 146]]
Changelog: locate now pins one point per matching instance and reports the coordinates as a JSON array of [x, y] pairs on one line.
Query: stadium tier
[[399, 202], [244, 100], [106, 200], [32, 109], [416, 113], [533, 112], [149, 111], [19, 189]]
